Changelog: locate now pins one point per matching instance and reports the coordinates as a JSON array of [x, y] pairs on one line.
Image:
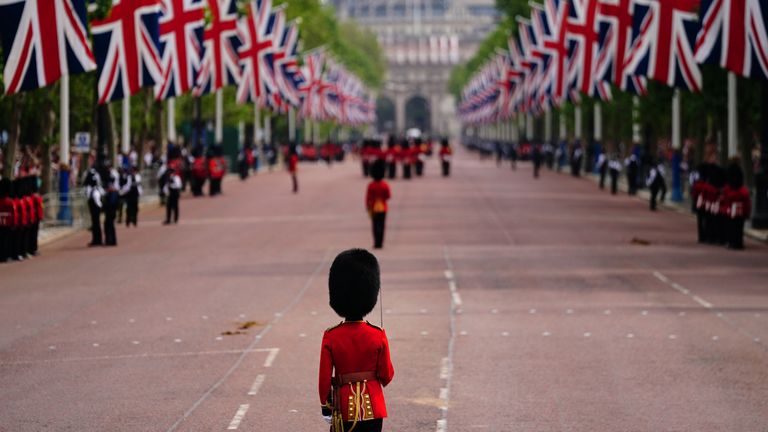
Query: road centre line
[[709, 306], [271, 357], [137, 356], [238, 418], [256, 339], [256, 385], [446, 364]]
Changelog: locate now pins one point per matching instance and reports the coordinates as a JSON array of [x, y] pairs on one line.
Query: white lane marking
[[256, 385], [52, 347], [448, 274], [302, 335], [136, 356], [271, 357], [177, 340], [387, 311], [456, 299], [445, 368], [546, 333], [422, 311], [238, 418], [494, 311], [313, 313], [463, 333], [673, 336], [587, 334], [607, 312], [532, 311], [505, 333], [569, 312], [630, 335], [714, 338], [242, 315], [452, 285], [644, 313], [293, 411], [660, 277], [93, 323], [424, 333], [135, 342], [219, 338], [680, 288], [702, 302], [442, 425], [444, 397], [205, 317], [264, 331], [682, 314], [132, 320]]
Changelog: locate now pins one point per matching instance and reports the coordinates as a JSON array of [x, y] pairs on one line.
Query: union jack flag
[[181, 33], [664, 32], [126, 47], [616, 22], [220, 64], [289, 77], [584, 30], [43, 40], [509, 78], [734, 35], [258, 40], [312, 71], [557, 45]]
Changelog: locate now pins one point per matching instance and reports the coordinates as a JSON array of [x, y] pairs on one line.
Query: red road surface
[[511, 305]]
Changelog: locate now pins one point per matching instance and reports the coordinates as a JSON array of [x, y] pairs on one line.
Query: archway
[[385, 115], [418, 114]]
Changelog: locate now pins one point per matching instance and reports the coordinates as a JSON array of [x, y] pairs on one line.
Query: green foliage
[[513, 8], [497, 39]]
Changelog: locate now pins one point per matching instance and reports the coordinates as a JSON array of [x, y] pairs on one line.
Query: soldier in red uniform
[[217, 167], [354, 359], [7, 216], [293, 168], [407, 159], [199, 173], [37, 204], [446, 153], [391, 156], [22, 221], [376, 199], [738, 206]]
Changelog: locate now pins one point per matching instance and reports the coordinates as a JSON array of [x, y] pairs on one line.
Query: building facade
[[422, 41]]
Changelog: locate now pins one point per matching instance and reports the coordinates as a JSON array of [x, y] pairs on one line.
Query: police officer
[[173, 192], [602, 167], [614, 168], [656, 182], [633, 167], [95, 193], [131, 191], [111, 198], [536, 158]]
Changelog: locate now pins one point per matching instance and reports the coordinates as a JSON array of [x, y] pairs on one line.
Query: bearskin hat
[[378, 169], [5, 188], [353, 283], [735, 176]]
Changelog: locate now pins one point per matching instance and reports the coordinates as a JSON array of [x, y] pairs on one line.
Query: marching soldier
[[633, 167], [446, 153], [293, 168], [536, 157], [37, 203], [7, 216], [391, 156], [22, 223], [656, 182], [407, 159], [699, 183], [198, 173], [376, 199], [420, 150], [217, 167], [355, 363], [738, 204]]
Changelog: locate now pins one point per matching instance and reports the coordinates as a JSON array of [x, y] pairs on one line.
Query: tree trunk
[[159, 129], [17, 105]]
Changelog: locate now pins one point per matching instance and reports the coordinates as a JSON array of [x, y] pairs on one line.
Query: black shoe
[[167, 223], [94, 244]]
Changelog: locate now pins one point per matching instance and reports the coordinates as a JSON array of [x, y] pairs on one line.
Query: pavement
[[511, 304]]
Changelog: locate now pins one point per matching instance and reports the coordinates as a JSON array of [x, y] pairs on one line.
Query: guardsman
[[22, 225], [131, 192], [738, 204], [698, 180], [173, 192], [37, 202], [355, 363], [111, 198], [391, 156], [406, 159], [7, 215], [217, 167], [199, 172], [657, 183], [602, 168], [717, 219], [614, 168], [420, 151], [376, 198], [446, 153], [365, 158], [95, 195], [293, 168]]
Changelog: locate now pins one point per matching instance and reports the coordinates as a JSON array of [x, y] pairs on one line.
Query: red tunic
[[376, 197], [199, 170], [23, 214], [217, 167], [7, 213], [293, 163], [737, 202], [353, 347], [32, 216], [39, 205], [445, 154]]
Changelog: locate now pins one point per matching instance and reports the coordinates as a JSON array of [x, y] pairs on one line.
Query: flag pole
[[65, 212], [219, 125], [171, 120], [733, 126], [125, 141], [291, 125], [677, 190]]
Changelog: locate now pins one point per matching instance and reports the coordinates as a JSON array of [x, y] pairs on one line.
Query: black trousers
[[419, 168], [295, 181], [603, 171], [656, 188], [736, 233], [446, 169], [197, 186], [95, 222], [614, 181], [5, 242], [215, 187], [632, 183], [536, 168], [407, 171], [392, 170], [110, 236], [132, 210], [172, 206], [34, 230], [366, 168], [701, 227], [378, 221], [365, 426]]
